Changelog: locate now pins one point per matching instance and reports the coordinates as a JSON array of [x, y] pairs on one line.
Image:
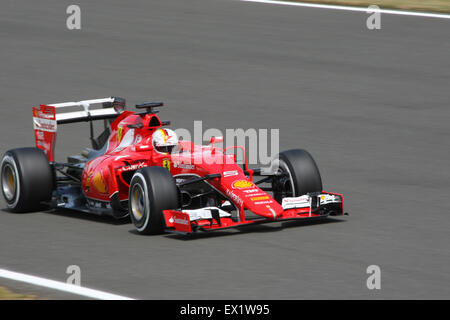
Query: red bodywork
[[44, 124], [130, 148]]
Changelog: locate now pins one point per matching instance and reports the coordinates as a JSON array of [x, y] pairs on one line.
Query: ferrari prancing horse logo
[[166, 164]]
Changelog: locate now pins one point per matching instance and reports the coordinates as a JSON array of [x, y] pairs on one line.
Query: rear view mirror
[[216, 140]]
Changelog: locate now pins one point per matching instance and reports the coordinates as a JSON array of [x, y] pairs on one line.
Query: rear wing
[[111, 108], [46, 118]]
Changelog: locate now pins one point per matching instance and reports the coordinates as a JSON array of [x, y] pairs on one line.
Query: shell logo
[[242, 184]]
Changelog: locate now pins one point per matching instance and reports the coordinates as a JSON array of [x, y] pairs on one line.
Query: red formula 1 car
[[183, 189]]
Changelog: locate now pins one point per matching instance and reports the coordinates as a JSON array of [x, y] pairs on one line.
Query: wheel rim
[[287, 182], [9, 184], [137, 202]]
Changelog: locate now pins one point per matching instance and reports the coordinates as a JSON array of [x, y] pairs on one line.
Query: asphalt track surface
[[371, 106]]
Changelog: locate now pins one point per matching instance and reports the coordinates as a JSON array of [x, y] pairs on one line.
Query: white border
[[61, 286], [352, 8]]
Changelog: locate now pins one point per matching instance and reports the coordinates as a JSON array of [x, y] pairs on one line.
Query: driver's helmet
[[164, 140]]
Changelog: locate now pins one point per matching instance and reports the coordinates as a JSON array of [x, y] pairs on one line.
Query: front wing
[[308, 207]]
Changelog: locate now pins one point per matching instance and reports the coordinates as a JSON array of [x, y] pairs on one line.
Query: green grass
[[5, 294], [442, 6]]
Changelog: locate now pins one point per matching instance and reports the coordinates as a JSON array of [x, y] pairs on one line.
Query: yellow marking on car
[[259, 198], [99, 184], [242, 184], [119, 134], [166, 164]]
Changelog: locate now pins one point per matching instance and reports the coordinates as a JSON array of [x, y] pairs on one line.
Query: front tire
[[152, 190], [26, 179], [301, 175]]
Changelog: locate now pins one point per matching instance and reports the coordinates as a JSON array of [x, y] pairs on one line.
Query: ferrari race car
[[137, 167]]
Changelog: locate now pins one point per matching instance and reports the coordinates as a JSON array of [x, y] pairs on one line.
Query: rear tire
[[26, 179], [152, 190], [302, 177]]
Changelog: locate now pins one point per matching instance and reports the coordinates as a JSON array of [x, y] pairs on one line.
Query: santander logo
[[176, 220]]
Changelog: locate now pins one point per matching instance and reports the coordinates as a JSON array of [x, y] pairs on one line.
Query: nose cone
[[243, 191]]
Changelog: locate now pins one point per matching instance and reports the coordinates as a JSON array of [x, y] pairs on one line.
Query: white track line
[[351, 8], [62, 286]]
